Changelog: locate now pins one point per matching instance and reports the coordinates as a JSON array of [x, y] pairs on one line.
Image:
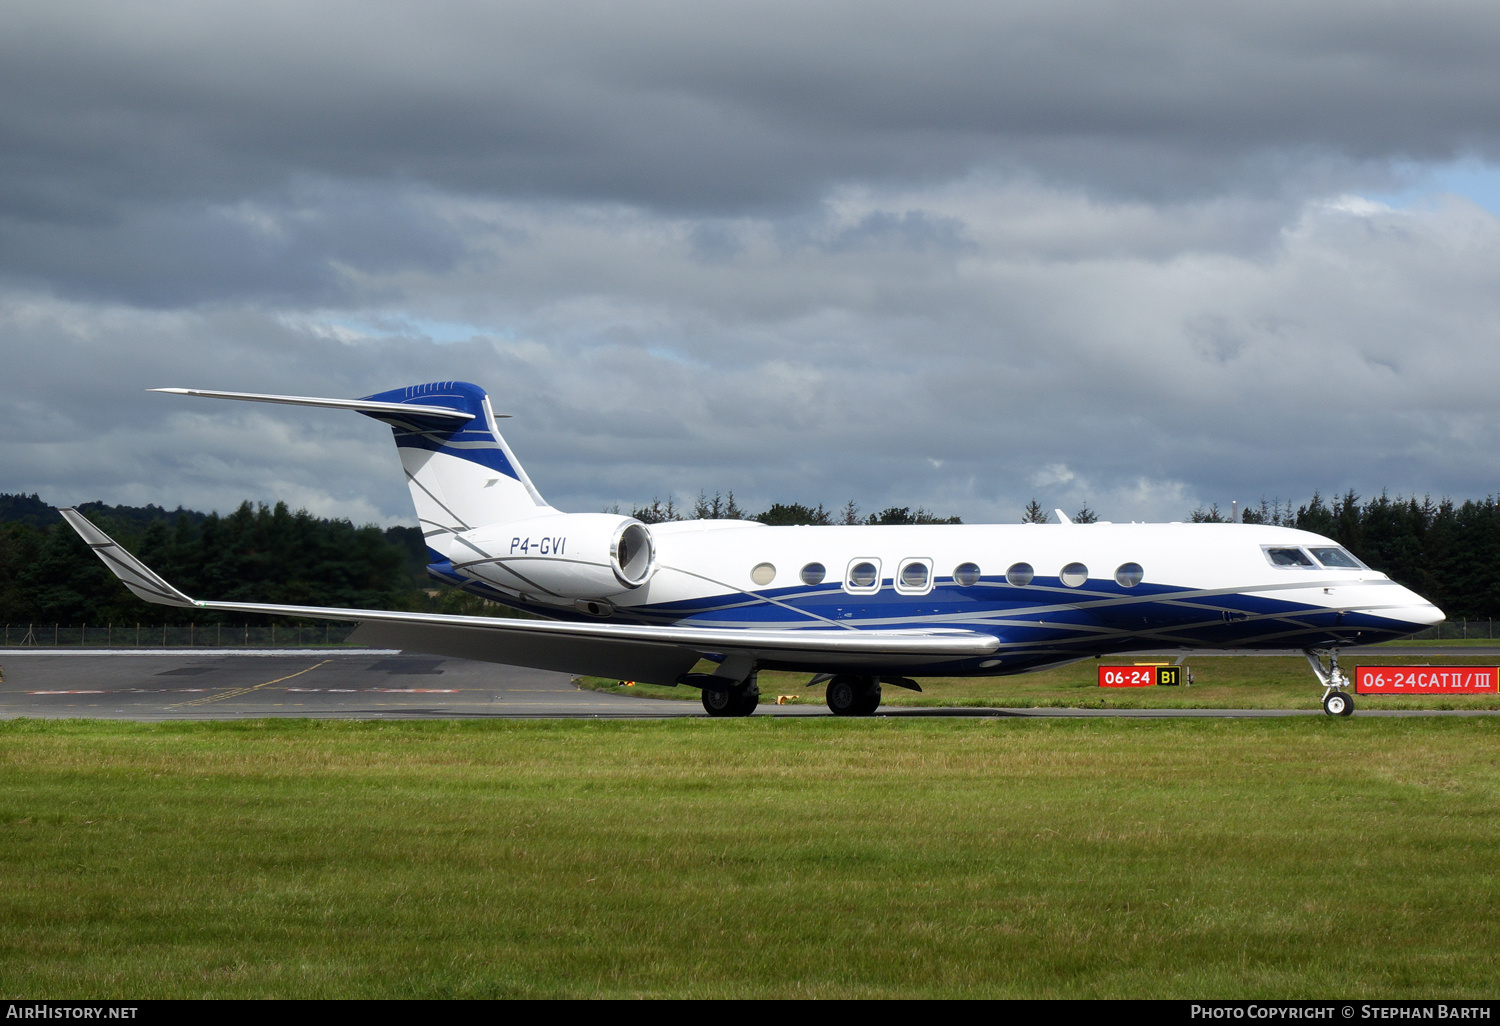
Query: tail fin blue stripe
[[473, 441]]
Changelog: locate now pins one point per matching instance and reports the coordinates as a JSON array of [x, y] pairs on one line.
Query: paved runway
[[377, 684], [235, 684]]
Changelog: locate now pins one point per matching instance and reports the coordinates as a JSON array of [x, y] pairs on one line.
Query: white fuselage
[[1082, 589]]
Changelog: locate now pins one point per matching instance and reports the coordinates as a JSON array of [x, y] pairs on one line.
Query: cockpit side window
[[1282, 556], [1337, 557]]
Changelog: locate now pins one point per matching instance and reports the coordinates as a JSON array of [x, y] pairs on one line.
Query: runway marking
[[237, 692], [383, 691], [128, 691]]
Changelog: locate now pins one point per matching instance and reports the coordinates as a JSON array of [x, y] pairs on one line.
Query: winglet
[[137, 576]]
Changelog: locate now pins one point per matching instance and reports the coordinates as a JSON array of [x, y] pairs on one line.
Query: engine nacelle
[[567, 556]]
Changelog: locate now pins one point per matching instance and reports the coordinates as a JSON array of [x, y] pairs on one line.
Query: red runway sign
[[1138, 676], [1425, 680]]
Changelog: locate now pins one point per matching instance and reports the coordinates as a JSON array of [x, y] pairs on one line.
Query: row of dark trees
[[266, 554], [255, 554], [1446, 551], [781, 514], [1449, 553]]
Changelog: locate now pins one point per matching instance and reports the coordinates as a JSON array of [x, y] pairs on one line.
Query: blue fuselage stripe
[[1035, 624]]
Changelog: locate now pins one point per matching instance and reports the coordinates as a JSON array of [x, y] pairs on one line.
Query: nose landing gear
[[1336, 701]]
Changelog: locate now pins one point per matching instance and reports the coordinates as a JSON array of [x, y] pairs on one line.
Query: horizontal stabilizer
[[137, 576], [460, 472], [379, 410]]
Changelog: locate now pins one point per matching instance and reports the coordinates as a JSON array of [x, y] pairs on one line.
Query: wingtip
[[144, 582]]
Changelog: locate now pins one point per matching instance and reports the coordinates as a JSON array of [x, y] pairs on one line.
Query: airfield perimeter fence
[[1458, 630], [228, 635], [176, 635]]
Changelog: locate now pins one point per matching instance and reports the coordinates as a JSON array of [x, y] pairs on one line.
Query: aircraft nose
[[1416, 610], [1389, 601], [1428, 614]]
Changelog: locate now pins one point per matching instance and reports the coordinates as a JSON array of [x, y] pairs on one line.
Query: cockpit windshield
[[1337, 557], [1332, 557], [1288, 557]]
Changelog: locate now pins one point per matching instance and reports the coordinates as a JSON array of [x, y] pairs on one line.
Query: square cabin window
[[914, 577]]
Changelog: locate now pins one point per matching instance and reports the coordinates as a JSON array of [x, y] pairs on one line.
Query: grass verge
[[757, 858]]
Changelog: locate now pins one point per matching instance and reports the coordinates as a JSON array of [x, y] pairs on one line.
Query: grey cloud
[[955, 255], [727, 108], [1156, 383], [910, 229], [140, 140], [293, 247]]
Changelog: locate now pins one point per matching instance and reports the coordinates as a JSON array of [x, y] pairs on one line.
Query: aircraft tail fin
[[461, 473]]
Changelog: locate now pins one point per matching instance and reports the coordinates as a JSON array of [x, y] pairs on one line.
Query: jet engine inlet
[[632, 554], [560, 558]]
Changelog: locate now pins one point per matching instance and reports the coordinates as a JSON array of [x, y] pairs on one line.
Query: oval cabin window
[[1074, 574]]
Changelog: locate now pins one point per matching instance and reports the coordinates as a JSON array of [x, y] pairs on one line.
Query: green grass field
[[1223, 682], [762, 857]]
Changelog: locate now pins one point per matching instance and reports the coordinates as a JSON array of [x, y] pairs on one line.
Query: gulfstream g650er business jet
[[855, 606]]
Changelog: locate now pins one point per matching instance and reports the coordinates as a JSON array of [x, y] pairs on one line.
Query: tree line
[[781, 514], [263, 553], [255, 554], [1446, 551]]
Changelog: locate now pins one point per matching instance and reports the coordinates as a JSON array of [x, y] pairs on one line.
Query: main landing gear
[[1336, 701], [732, 699], [851, 695]]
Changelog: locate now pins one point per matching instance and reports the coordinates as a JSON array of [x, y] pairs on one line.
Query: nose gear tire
[[1338, 703]]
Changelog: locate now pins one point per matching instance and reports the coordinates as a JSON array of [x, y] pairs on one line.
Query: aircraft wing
[[652, 654]]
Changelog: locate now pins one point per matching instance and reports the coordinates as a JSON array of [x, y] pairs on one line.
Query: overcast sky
[[1135, 256]]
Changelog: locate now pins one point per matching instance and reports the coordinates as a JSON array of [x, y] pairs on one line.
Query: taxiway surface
[[202, 684]]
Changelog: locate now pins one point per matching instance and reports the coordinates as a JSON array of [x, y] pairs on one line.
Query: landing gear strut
[[851, 695], [735, 700], [1336, 701]]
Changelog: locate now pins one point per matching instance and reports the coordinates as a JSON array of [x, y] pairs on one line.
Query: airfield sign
[[1142, 676], [1425, 680]]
